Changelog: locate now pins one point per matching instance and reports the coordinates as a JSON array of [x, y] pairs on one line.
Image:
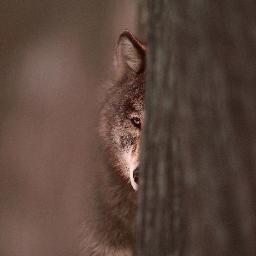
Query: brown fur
[[111, 230]]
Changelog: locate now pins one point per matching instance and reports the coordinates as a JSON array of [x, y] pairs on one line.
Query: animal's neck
[[117, 205]]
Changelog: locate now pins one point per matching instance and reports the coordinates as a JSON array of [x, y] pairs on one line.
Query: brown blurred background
[[54, 58]]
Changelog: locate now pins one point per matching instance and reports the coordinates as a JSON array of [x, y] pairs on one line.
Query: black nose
[[136, 175]]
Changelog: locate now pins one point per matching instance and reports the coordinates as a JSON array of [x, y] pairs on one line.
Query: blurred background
[[54, 58]]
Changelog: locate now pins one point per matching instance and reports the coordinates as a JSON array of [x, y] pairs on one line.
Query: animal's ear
[[131, 54]]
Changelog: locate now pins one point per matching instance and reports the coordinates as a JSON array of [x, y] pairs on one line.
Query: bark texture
[[199, 161]]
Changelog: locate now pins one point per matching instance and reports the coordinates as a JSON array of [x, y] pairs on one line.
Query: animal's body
[[111, 229]]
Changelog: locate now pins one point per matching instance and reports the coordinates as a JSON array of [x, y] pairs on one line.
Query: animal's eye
[[136, 122]]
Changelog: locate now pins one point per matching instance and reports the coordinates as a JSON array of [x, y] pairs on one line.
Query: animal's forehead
[[128, 95], [133, 98], [133, 90]]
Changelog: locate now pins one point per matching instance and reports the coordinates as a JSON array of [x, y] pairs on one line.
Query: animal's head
[[122, 116]]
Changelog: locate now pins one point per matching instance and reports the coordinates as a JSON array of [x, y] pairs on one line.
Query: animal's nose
[[136, 175]]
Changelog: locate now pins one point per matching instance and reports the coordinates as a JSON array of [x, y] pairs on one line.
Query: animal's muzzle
[[136, 175]]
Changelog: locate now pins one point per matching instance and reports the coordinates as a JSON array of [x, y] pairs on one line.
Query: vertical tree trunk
[[142, 19], [199, 159]]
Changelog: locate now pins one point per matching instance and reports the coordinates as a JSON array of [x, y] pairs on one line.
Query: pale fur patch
[[132, 163]]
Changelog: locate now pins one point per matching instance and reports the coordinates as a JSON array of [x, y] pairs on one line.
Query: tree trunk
[[198, 165]]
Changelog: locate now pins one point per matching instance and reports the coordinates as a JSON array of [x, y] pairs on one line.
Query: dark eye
[[136, 122]]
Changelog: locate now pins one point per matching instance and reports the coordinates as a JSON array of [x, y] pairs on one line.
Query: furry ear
[[131, 54]]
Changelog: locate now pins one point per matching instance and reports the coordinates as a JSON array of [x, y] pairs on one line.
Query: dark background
[[55, 57]]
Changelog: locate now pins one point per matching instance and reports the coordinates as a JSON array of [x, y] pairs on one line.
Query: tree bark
[[142, 19], [198, 162]]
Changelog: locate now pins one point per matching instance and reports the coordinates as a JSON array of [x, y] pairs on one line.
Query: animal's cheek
[[123, 139], [126, 141], [117, 137]]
